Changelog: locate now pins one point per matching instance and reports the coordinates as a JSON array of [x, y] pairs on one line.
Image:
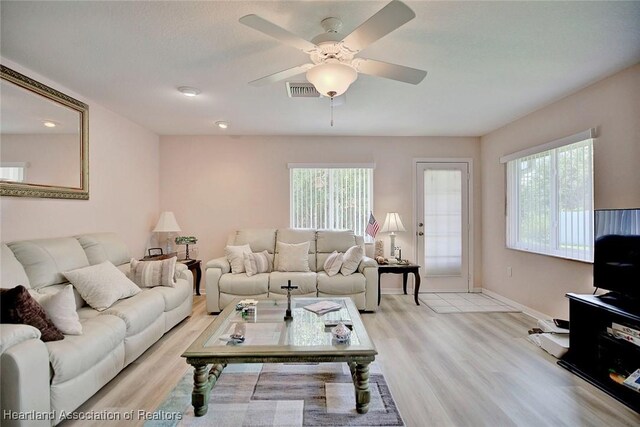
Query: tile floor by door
[[464, 303]]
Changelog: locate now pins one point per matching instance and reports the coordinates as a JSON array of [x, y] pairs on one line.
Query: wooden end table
[[403, 269], [194, 265]]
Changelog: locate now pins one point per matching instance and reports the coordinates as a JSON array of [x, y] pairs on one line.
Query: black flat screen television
[[616, 251]]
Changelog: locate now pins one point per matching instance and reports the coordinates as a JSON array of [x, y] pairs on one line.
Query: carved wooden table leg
[[361, 383], [203, 381]]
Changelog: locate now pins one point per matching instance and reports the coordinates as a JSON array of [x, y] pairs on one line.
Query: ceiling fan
[[333, 64]]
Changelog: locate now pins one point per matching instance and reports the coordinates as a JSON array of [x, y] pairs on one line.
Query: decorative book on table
[[624, 336], [633, 380], [322, 307]]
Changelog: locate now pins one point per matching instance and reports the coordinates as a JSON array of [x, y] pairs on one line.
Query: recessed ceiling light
[[49, 124], [222, 124], [189, 91]]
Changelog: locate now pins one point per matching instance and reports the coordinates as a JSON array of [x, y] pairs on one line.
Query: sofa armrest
[[24, 375], [369, 268], [183, 272], [222, 263], [367, 262]]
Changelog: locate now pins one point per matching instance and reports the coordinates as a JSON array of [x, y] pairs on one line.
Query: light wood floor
[[463, 369]]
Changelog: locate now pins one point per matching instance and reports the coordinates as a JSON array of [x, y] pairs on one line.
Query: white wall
[[216, 185], [613, 106], [123, 185]]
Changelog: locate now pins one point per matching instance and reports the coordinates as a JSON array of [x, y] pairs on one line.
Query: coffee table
[[269, 339]]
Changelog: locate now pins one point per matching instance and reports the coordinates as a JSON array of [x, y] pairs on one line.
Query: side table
[[403, 269], [194, 266]]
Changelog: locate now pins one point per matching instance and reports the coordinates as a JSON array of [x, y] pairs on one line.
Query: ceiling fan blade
[[389, 71], [390, 17], [278, 33], [281, 75]]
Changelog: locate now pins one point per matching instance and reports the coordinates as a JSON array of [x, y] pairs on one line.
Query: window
[[13, 171], [550, 198], [331, 196]]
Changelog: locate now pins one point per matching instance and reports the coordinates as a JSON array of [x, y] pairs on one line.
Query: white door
[[442, 203]]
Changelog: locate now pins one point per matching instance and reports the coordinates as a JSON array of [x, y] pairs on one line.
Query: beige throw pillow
[[101, 285], [235, 257], [351, 260], [257, 262], [148, 274], [292, 256], [333, 263], [61, 309]]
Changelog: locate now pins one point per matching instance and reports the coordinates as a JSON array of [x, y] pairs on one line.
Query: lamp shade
[[392, 223], [167, 223], [332, 76]]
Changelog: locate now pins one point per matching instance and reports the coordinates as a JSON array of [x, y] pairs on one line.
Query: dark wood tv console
[[592, 352]]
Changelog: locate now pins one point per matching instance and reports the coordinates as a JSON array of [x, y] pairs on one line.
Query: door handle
[[420, 224], [420, 233]]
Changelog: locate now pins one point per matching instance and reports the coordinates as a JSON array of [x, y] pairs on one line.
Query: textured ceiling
[[489, 62]]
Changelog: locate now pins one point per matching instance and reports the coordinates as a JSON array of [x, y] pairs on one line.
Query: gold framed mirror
[[44, 140]]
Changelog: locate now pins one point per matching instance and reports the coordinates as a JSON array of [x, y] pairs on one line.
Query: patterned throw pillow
[[148, 274], [333, 263], [101, 285], [235, 257], [257, 262], [18, 306], [293, 257], [351, 260]]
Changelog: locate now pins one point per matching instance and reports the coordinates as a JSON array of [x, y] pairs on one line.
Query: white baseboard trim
[[526, 310]]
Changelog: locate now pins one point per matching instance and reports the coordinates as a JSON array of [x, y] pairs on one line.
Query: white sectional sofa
[[60, 375], [222, 286]]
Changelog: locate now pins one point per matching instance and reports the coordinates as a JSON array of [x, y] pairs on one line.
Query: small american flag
[[372, 226]]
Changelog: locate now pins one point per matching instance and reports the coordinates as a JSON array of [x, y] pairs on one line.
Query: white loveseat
[[222, 286], [59, 376]]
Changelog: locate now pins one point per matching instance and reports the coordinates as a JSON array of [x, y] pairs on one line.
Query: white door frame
[[469, 162]]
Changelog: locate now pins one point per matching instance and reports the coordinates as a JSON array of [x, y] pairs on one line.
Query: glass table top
[[266, 332]]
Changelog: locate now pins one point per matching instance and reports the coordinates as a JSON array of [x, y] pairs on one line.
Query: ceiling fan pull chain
[[331, 94]]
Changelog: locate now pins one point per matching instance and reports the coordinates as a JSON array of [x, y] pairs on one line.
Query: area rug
[[281, 395], [464, 303]]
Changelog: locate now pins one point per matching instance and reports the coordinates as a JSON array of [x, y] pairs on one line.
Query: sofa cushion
[[260, 262], [149, 274], [298, 235], [341, 285], [61, 308], [235, 256], [292, 256], [173, 297], [139, 311], [76, 354], [45, 260], [102, 284], [54, 289], [241, 284], [351, 260], [306, 282], [333, 263], [12, 273], [101, 247], [260, 239], [19, 307], [335, 240]]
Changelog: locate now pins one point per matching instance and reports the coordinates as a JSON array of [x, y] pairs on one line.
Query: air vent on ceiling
[[302, 90]]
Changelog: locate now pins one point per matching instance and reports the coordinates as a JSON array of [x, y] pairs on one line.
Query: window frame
[[512, 198], [293, 166]]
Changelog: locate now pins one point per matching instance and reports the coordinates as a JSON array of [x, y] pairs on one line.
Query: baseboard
[[526, 310]]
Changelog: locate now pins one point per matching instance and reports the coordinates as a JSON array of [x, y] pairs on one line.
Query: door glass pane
[[443, 222]]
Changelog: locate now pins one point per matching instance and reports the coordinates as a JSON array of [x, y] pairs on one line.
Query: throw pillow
[[333, 263], [17, 306], [293, 256], [235, 257], [61, 309], [255, 263], [148, 274], [351, 260], [101, 285]]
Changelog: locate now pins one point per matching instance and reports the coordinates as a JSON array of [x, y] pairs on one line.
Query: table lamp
[[392, 223], [167, 224]]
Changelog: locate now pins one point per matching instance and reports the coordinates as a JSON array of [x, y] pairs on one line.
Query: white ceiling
[[489, 63]]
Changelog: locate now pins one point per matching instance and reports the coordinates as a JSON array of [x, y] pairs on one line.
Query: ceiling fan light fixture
[[332, 77]]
